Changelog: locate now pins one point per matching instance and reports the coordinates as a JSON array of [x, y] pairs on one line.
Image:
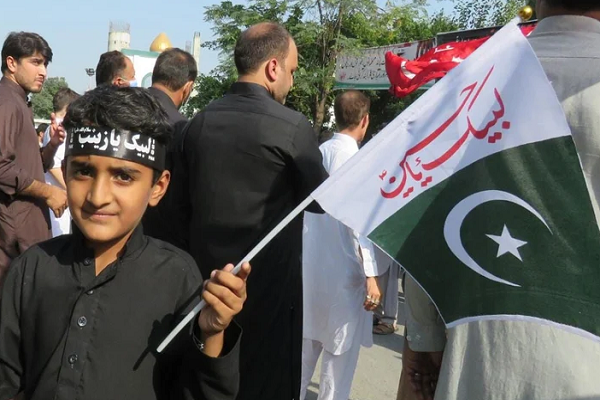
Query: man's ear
[[365, 121], [271, 69], [11, 63], [160, 188]]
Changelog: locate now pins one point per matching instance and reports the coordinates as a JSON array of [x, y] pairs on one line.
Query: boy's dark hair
[[110, 65], [42, 128], [174, 68], [63, 98], [350, 107], [124, 108], [260, 43], [578, 5], [19, 45], [127, 108]]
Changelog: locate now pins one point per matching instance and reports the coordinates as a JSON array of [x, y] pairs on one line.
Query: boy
[[61, 100], [81, 315]]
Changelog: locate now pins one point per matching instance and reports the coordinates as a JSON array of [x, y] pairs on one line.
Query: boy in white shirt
[[60, 102]]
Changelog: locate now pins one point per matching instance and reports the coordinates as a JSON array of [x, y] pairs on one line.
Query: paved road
[[378, 368]]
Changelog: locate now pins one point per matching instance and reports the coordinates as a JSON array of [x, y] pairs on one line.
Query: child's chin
[[96, 233]]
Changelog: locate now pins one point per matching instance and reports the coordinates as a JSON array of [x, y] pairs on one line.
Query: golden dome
[[161, 43], [526, 13]]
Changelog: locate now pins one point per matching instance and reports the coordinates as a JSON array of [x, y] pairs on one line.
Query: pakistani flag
[[477, 191]]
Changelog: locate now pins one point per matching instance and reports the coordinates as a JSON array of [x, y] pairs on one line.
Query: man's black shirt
[[66, 333], [169, 220]]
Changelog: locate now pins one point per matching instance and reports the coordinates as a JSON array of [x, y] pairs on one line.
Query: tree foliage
[[322, 30], [42, 101], [471, 14]]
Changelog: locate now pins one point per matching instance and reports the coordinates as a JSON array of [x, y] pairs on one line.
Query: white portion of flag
[[498, 98]]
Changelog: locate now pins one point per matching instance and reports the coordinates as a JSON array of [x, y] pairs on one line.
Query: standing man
[[339, 271], [496, 360], [173, 80], [115, 68], [24, 195], [251, 162]]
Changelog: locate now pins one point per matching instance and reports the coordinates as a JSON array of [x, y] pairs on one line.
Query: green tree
[[322, 30], [208, 88], [42, 101], [471, 14]]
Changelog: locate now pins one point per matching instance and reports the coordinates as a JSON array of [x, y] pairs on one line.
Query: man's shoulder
[[254, 106]]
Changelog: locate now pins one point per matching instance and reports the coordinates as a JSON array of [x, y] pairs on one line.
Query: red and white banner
[[407, 75]]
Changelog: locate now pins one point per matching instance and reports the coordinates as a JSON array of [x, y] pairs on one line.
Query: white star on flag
[[507, 244]]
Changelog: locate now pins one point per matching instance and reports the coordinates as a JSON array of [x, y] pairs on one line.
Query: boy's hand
[[224, 294]]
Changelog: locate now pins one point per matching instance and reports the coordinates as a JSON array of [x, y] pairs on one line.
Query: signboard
[[143, 63], [365, 69]]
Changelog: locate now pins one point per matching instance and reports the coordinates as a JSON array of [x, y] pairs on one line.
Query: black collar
[[135, 244], [249, 88], [163, 96]]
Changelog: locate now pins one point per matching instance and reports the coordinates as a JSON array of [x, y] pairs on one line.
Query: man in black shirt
[[173, 80], [81, 315], [252, 161]]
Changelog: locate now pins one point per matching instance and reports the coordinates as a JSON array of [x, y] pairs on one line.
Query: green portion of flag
[[559, 275]]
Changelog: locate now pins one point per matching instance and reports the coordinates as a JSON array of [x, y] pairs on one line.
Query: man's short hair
[[19, 45], [128, 109], [577, 5], [42, 127], [62, 98], [174, 68], [350, 107], [259, 43], [111, 65]]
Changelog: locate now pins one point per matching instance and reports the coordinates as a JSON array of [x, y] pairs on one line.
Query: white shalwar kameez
[[336, 263]]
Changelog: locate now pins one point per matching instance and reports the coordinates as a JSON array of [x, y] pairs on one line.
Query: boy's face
[[108, 196]]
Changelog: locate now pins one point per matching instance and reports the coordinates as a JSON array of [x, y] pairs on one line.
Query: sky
[[77, 30]]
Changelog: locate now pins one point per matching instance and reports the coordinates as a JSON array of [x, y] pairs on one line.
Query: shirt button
[[90, 292], [82, 321], [73, 358], [87, 261]]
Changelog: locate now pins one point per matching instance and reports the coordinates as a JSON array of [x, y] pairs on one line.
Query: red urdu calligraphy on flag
[[406, 76]]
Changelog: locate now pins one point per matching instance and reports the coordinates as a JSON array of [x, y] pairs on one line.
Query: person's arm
[[13, 179], [57, 174], [425, 329], [425, 341], [56, 198], [11, 369], [57, 137], [56, 167], [210, 370], [308, 163]]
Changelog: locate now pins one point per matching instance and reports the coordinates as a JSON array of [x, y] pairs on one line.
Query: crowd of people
[[121, 213]]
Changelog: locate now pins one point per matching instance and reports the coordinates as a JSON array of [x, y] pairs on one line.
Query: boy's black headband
[[130, 146]]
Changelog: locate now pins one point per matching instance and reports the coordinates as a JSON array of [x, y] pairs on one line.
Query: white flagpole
[[237, 269]]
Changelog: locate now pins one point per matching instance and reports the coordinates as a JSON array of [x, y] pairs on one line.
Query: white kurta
[[336, 262]]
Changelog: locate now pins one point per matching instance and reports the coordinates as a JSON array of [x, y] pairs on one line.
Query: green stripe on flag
[[556, 267]]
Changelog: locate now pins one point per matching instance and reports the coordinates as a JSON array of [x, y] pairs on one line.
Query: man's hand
[[57, 132], [373, 294], [423, 370], [56, 200], [225, 295]]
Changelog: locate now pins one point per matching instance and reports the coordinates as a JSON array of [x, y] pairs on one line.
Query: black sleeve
[[208, 378], [308, 163], [11, 367]]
